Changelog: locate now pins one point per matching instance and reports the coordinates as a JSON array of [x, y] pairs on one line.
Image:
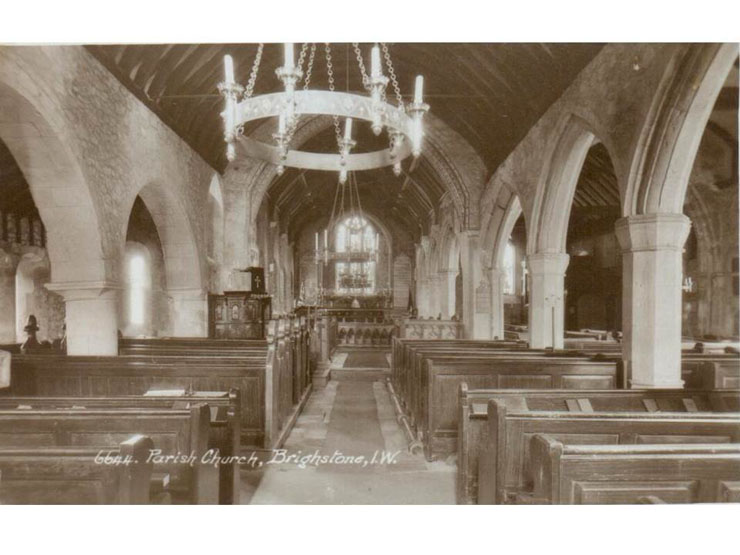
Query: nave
[[523, 280]]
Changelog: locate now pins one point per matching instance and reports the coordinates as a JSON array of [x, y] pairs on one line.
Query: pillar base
[[657, 385]]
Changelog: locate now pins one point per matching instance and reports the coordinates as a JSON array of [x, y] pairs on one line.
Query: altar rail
[[430, 329]]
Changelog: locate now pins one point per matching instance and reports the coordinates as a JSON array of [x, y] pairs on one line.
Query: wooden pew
[[266, 383], [473, 420], [180, 433], [710, 371], [434, 405], [605, 474], [225, 421], [402, 347], [75, 475], [504, 467]]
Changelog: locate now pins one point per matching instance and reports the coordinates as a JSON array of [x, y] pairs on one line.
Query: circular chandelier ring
[[327, 103]]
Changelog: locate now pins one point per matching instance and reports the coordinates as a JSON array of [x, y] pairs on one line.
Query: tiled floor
[[347, 420]]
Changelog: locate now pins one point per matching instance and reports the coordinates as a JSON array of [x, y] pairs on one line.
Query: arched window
[[510, 269], [355, 272], [139, 284]]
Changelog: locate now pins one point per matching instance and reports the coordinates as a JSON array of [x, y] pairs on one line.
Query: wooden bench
[[504, 467], [710, 371], [434, 405], [180, 433], [266, 386], [402, 348], [225, 421], [473, 420], [605, 474], [75, 475]]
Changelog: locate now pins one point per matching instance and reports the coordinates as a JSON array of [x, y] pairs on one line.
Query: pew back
[[436, 412], [173, 432], [504, 464], [473, 420], [607, 474], [74, 475]]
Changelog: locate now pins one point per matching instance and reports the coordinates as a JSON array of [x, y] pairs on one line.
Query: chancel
[[369, 273]]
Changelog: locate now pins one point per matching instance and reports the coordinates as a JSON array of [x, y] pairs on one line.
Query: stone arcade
[[553, 280]]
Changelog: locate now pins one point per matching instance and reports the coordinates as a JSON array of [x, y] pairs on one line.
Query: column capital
[[652, 232], [548, 263], [83, 290]]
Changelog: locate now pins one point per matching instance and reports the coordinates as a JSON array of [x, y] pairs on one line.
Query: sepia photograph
[[411, 272]]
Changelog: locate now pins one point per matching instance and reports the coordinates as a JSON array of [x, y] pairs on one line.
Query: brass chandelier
[[403, 121]]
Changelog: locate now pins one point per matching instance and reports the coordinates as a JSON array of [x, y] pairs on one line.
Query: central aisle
[[349, 419]]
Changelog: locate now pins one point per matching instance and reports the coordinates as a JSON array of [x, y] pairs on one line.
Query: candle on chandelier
[[348, 128], [419, 89], [375, 61], [289, 59], [326, 239], [228, 69], [317, 241]]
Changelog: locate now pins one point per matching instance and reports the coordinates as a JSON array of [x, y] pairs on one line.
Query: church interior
[[369, 273]]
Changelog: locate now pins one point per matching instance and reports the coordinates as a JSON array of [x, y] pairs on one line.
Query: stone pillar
[[547, 299], [447, 293], [8, 265], [236, 220], [497, 303], [91, 316], [421, 295], [482, 319], [188, 312], [652, 248], [434, 303], [471, 278]]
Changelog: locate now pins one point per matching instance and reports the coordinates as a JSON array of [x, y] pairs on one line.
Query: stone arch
[[513, 212], [557, 185], [37, 139], [181, 257], [673, 130]]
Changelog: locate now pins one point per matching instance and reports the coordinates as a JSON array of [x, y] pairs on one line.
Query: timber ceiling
[[491, 94]]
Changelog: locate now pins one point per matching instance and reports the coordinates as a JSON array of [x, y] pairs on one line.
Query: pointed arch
[[671, 135]]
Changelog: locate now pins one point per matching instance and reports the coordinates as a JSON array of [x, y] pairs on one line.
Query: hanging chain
[[309, 69], [365, 78], [249, 90], [330, 73], [392, 74], [302, 55]]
